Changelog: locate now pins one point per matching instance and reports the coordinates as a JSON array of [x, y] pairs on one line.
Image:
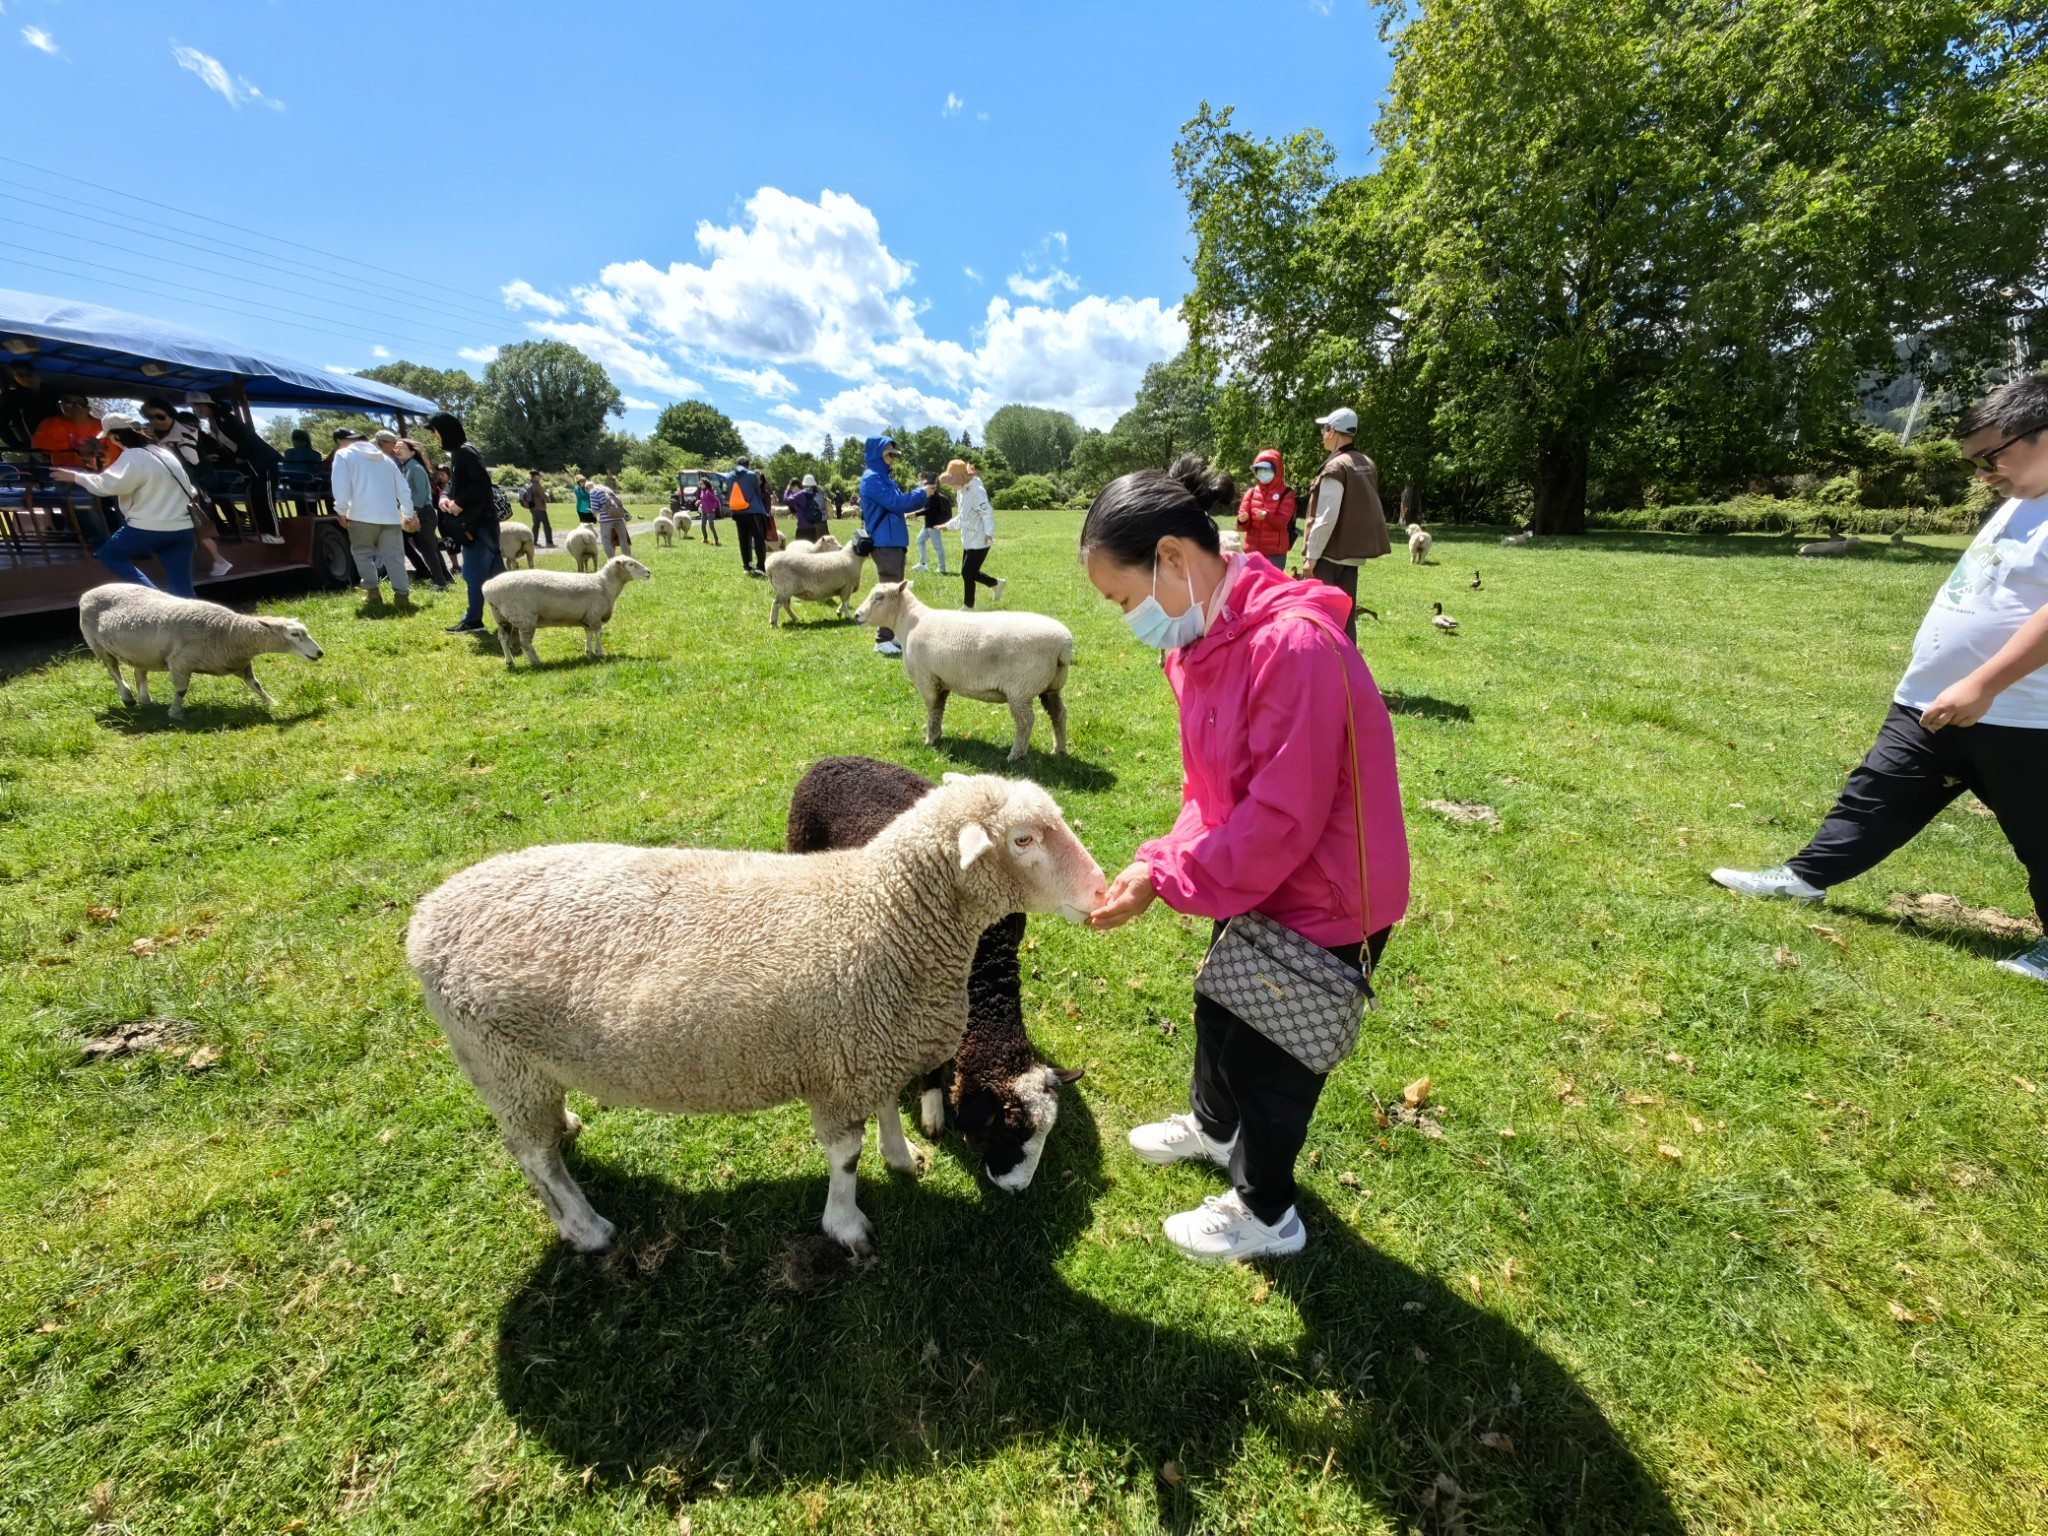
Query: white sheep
[[514, 540], [1419, 543], [717, 982], [997, 658], [823, 544], [524, 601], [1232, 541], [813, 576], [665, 531], [581, 545], [153, 631]]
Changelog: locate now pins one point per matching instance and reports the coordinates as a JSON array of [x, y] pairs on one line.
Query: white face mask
[[1159, 629], [1263, 474]]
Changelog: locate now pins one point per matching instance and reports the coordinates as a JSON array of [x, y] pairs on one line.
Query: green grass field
[[1736, 1221]]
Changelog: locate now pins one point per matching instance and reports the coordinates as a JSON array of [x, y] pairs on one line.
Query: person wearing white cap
[[373, 502], [1348, 526], [157, 498]]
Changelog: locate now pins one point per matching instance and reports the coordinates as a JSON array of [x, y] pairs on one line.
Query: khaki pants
[[375, 544], [613, 538]]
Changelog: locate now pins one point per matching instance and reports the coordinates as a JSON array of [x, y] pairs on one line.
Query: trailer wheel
[[333, 565]]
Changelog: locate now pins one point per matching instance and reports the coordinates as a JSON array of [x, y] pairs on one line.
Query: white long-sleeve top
[[369, 487], [1323, 522], [151, 486], [975, 517]]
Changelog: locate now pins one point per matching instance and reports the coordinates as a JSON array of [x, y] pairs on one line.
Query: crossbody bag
[[1287, 987], [196, 506]]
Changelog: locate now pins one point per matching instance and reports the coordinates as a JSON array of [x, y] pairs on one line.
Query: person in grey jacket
[[425, 545]]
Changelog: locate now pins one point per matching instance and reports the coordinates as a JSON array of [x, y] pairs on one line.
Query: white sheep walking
[[524, 601], [823, 544], [813, 576], [153, 631], [665, 531], [515, 540], [581, 545], [721, 982], [996, 658]]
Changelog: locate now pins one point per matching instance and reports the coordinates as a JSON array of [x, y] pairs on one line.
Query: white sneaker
[[2033, 964], [888, 648], [1177, 1139], [1001, 582], [1223, 1229], [920, 567], [222, 567], [1777, 881], [270, 538]]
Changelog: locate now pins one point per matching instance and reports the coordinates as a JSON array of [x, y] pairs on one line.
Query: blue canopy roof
[[105, 347]]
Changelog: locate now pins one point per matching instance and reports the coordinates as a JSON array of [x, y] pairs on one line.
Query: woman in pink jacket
[[1259, 665]]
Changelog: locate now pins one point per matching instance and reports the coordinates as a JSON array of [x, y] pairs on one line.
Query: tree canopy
[[1033, 439], [1613, 242], [1171, 416], [450, 388], [545, 405], [695, 426]]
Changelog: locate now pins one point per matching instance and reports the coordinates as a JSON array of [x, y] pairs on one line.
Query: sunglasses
[[1986, 462]]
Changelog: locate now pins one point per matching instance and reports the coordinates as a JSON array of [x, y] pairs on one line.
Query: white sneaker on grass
[[1001, 582], [2032, 964], [1777, 881], [888, 648], [221, 568], [1223, 1228], [920, 567], [1178, 1139]]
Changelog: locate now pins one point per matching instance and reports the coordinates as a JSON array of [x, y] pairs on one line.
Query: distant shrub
[[1027, 493], [635, 482], [1838, 492], [509, 475], [1764, 514]]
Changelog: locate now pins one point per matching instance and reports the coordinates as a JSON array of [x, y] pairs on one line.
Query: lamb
[[1004, 1098], [1419, 542], [582, 545], [721, 982], [997, 658], [524, 601], [153, 631], [665, 531], [814, 576], [1517, 540], [823, 544], [514, 540]]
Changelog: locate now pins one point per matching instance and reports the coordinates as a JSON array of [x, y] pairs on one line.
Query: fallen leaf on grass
[[1507, 1133], [1416, 1092], [1495, 1441], [1829, 934], [1468, 812], [1665, 1149], [1260, 1292], [142, 947], [1902, 1313], [52, 1326], [1639, 1098], [1938, 910], [1170, 1473], [2024, 1083], [101, 914], [1348, 1180], [202, 1058], [1787, 961], [53, 959], [134, 1038]]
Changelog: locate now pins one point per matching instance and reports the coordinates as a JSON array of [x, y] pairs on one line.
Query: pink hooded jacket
[[1266, 822]]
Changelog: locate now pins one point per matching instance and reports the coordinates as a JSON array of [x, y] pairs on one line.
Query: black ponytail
[[1135, 511]]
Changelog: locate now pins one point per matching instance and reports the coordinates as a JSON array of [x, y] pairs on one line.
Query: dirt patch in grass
[[1935, 910]]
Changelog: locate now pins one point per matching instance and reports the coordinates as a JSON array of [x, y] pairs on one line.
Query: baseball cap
[[1343, 419], [384, 437], [347, 434], [119, 421]]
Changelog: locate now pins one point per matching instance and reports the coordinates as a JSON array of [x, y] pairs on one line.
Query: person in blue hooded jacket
[[882, 505]]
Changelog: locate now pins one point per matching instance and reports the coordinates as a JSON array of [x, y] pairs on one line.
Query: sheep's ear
[[906, 584], [974, 842], [952, 778]]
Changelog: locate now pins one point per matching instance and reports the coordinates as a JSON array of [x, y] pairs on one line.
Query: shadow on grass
[[200, 719], [1956, 936], [1713, 546], [1425, 707], [1053, 770], [688, 1348]]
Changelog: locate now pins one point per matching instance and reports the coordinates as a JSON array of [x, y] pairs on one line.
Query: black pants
[[1345, 579], [970, 572], [753, 527], [1248, 1087], [542, 528], [425, 547], [1910, 775], [888, 567]]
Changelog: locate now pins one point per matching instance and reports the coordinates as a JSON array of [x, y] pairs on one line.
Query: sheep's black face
[[1007, 1128]]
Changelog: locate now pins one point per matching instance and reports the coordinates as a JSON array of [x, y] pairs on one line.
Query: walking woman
[[707, 509], [977, 519], [157, 499], [1283, 733], [425, 545]]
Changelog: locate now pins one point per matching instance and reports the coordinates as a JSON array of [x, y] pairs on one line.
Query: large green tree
[[545, 405], [695, 426], [1618, 241], [1033, 439], [450, 388], [1172, 415]]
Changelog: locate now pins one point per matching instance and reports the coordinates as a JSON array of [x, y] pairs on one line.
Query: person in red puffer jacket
[[1267, 509]]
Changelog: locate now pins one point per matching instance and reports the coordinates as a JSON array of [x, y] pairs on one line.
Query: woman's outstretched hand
[[1130, 893]]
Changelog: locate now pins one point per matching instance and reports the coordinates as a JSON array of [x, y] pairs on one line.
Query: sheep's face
[[826, 544], [1039, 863], [883, 607], [626, 568], [296, 639], [1007, 1127]]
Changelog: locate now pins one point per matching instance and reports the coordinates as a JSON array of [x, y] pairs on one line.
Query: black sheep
[[1004, 1098]]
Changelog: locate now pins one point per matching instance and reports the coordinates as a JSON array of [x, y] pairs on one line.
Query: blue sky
[[820, 217]]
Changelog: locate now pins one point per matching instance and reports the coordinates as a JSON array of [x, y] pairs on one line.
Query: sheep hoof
[[853, 1233], [917, 1160], [595, 1238], [572, 1125]]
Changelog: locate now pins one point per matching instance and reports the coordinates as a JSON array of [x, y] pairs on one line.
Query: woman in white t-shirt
[[155, 494], [1972, 710]]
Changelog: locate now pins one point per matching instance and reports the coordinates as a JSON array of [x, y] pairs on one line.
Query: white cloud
[[380, 351], [641, 405], [478, 355], [952, 106], [621, 356], [1322, 7], [766, 382], [523, 295], [346, 373], [39, 40], [1039, 289], [235, 90], [976, 276]]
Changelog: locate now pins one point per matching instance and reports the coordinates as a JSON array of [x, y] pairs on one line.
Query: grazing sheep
[[1004, 1098], [1519, 539], [814, 576], [153, 631], [1830, 549], [665, 531], [823, 544], [1419, 542], [524, 601], [582, 545], [720, 982], [997, 658], [514, 540]]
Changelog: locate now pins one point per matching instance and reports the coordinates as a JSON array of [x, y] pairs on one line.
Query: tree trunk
[[1561, 484]]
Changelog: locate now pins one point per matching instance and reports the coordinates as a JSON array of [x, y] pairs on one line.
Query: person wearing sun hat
[[1348, 526], [156, 495], [975, 517]]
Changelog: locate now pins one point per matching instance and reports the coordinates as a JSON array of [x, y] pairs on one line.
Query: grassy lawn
[[1735, 1220]]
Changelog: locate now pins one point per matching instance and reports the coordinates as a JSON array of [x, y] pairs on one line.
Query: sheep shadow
[[1043, 766], [1422, 706], [700, 1352], [200, 719]]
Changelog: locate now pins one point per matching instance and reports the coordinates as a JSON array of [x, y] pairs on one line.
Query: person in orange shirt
[[72, 437]]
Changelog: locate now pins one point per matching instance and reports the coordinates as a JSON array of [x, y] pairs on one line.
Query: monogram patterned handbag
[[1291, 989]]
